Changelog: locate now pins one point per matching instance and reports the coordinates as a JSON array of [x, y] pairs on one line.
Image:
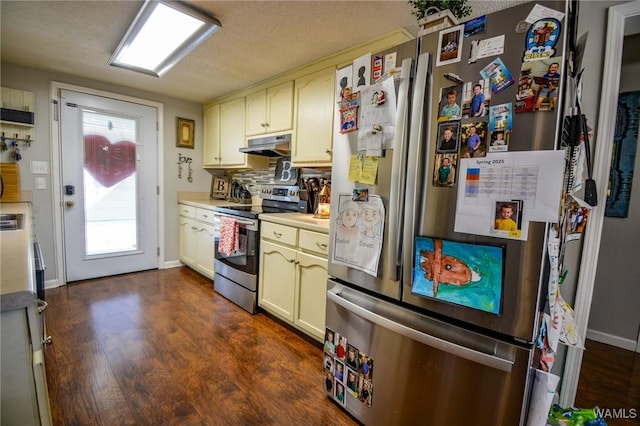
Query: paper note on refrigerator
[[500, 194], [355, 168], [544, 387], [377, 114], [357, 239], [369, 170]]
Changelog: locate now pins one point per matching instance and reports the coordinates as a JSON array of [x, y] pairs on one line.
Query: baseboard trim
[[610, 339], [52, 284], [171, 264]]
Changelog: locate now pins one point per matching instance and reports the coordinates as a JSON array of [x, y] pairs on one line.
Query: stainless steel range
[[236, 273]]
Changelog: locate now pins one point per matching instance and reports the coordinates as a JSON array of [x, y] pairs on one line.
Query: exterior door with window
[[109, 178]]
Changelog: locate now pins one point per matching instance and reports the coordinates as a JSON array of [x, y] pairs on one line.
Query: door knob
[[69, 203]]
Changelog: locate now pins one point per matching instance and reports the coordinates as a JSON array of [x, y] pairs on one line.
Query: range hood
[[270, 146]]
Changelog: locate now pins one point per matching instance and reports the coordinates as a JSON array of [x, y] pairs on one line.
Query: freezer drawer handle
[[427, 339]]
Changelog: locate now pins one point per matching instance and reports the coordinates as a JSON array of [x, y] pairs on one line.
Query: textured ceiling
[[258, 39]]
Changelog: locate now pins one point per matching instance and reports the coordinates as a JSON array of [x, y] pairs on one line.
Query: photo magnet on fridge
[[465, 274], [541, 39], [450, 45], [498, 74]]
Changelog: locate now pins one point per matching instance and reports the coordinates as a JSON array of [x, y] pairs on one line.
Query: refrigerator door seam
[[424, 338]]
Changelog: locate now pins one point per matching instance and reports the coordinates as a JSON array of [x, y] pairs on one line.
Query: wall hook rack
[[182, 160]]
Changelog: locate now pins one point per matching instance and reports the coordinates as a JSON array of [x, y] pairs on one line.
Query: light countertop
[[201, 199], [16, 252], [299, 220]]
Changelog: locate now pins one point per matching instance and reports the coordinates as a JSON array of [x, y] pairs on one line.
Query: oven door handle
[[239, 221]]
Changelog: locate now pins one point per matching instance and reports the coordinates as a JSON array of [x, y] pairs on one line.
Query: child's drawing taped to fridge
[[359, 230]]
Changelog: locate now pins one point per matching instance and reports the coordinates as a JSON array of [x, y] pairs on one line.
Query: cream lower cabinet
[[293, 276], [197, 238]]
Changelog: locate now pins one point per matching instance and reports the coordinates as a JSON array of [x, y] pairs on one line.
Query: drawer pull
[[292, 261], [323, 246], [277, 234]]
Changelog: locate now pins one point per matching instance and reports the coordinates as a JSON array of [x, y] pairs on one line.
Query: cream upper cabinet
[[270, 110], [224, 126], [211, 149], [315, 102], [231, 133]]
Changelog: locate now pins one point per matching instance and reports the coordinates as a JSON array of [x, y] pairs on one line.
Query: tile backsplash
[[253, 179]]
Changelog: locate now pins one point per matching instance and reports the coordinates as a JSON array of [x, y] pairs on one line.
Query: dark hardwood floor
[[160, 347], [610, 379]]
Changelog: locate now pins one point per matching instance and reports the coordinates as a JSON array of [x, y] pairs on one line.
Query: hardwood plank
[[610, 379], [161, 347]]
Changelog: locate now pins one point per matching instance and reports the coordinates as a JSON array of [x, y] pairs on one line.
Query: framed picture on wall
[[185, 134]]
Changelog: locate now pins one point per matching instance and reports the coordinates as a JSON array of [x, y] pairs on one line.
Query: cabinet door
[[310, 294], [232, 133], [211, 151], [256, 110], [280, 107], [188, 240], [314, 118], [206, 249], [277, 274]]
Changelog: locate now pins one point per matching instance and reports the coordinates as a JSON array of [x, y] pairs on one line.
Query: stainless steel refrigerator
[[399, 354]]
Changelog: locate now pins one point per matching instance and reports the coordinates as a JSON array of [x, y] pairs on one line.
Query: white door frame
[[56, 167], [601, 168]]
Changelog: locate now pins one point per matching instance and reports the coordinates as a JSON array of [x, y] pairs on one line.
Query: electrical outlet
[[41, 183]]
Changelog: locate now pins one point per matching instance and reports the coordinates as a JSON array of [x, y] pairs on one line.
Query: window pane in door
[[110, 183]]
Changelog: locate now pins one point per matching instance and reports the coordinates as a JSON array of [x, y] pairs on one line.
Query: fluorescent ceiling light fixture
[[162, 34]]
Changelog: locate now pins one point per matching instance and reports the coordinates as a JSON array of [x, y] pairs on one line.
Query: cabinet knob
[[292, 261]]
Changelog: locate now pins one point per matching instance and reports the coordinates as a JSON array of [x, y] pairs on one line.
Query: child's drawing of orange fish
[[443, 269]]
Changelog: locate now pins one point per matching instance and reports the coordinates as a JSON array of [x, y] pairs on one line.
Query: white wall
[[615, 317], [39, 82]]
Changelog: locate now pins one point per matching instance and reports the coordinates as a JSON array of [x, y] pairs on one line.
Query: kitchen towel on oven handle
[[228, 236]]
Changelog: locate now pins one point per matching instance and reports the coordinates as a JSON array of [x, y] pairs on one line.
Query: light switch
[[41, 182], [39, 167]]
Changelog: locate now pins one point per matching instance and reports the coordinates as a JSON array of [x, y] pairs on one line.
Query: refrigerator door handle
[[473, 355], [414, 163], [396, 198]]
